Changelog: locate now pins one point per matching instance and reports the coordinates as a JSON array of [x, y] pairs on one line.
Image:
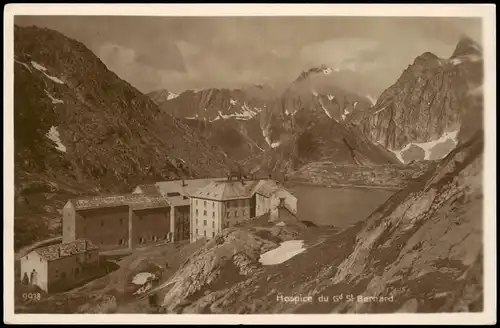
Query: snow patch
[[372, 99], [233, 102], [383, 108], [215, 119], [192, 117], [24, 64], [54, 100], [327, 71], [330, 97], [326, 111], [428, 146], [53, 135], [456, 61], [275, 144], [287, 112], [284, 252], [245, 114], [44, 70], [38, 66], [354, 105], [141, 278], [314, 93], [281, 224], [172, 96]]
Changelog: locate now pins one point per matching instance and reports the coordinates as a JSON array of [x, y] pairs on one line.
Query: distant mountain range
[[65, 106]]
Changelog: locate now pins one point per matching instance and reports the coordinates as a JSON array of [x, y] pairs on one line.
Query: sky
[[180, 53]]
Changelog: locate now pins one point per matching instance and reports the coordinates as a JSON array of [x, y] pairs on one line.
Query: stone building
[[61, 266], [219, 205], [118, 221], [224, 203], [177, 193]]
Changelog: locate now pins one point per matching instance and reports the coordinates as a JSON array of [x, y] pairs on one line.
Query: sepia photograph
[[176, 162]]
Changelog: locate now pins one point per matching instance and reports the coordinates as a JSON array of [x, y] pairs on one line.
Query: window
[[205, 212], [228, 214], [121, 221], [76, 271], [196, 202], [213, 224], [102, 223], [63, 275], [213, 234], [204, 222], [197, 232], [196, 211], [213, 214], [205, 233], [196, 220], [205, 203], [40, 259], [236, 213], [166, 236], [244, 212], [213, 204]]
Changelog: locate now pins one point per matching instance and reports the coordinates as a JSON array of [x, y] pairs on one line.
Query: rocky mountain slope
[[307, 120], [390, 176], [421, 115], [79, 128], [160, 96], [421, 251]]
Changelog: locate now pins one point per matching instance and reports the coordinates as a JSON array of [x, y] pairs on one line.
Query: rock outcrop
[[427, 105], [79, 128]]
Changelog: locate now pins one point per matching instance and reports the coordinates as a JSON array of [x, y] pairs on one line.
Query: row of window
[[205, 223], [228, 214], [232, 203], [143, 240], [205, 233], [236, 213]]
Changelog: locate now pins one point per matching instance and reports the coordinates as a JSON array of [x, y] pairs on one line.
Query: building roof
[[184, 187], [149, 189], [135, 201], [227, 190], [267, 187], [177, 192], [54, 252]]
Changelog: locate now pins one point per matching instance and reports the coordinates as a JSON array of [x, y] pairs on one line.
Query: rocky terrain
[[421, 115], [370, 176], [258, 119], [81, 129], [421, 251]]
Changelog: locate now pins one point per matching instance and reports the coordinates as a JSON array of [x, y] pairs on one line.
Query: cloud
[[339, 51]]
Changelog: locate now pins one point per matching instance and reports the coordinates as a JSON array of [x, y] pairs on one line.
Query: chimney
[[86, 245], [58, 251]]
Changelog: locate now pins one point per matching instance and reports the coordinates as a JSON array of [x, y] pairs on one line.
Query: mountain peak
[[466, 46], [315, 70]]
